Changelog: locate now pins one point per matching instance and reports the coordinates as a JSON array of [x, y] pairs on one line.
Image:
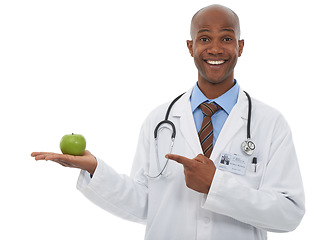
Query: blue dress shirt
[[226, 101]]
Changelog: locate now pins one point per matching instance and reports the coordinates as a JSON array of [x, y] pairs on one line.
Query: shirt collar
[[226, 100]]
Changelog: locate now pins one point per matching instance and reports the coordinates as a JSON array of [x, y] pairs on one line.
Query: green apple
[[73, 144]]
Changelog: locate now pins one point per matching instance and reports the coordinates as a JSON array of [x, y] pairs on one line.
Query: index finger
[[34, 154], [49, 156], [40, 155], [180, 159]]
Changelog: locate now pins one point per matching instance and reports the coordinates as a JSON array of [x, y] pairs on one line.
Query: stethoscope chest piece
[[248, 146]]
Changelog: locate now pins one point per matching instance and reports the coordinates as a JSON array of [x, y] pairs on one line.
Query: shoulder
[[154, 117], [263, 109], [268, 115], [172, 107], [158, 112]]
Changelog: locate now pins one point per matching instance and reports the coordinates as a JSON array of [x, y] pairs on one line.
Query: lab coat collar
[[182, 105]]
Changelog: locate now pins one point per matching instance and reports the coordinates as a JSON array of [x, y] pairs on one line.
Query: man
[[194, 195]]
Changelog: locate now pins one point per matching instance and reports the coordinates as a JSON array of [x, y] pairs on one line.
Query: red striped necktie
[[206, 132]]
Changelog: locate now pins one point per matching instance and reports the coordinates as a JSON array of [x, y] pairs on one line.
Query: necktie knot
[[209, 109]]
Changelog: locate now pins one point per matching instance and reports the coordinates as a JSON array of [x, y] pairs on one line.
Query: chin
[[215, 81]]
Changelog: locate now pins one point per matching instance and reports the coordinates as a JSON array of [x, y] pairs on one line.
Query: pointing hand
[[199, 171]]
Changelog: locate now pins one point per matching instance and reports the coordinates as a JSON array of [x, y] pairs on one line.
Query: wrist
[[92, 166]]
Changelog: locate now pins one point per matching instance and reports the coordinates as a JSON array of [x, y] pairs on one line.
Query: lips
[[215, 62]]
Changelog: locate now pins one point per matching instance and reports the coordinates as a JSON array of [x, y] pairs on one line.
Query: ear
[[190, 46], [241, 45]]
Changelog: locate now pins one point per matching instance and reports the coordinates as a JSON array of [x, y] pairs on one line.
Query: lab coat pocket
[[254, 165], [254, 172]]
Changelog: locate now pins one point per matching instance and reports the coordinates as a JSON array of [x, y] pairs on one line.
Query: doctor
[[201, 194]]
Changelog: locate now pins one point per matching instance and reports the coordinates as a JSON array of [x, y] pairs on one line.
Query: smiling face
[[215, 46]]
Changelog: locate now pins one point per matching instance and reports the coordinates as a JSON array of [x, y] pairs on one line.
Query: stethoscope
[[248, 146]]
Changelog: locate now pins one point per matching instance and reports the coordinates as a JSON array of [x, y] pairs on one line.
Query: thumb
[[202, 159]]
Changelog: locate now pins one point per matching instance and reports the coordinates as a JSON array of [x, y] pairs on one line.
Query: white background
[[79, 66]]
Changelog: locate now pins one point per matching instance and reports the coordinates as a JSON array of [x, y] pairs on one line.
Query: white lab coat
[[237, 207]]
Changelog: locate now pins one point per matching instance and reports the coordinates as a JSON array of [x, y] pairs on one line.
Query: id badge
[[233, 163]]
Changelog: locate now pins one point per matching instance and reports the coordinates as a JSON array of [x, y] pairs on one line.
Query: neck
[[214, 90]]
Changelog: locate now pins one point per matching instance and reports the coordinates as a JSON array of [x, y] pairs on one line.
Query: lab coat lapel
[[236, 119], [187, 126]]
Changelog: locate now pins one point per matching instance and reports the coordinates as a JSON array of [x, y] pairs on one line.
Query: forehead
[[214, 20]]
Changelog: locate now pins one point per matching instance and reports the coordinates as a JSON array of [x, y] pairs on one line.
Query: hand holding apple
[[85, 162], [74, 154]]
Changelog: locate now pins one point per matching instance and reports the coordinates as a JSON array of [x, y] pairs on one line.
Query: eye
[[227, 39], [204, 39]]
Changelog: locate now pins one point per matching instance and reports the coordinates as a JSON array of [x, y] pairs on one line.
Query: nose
[[214, 48]]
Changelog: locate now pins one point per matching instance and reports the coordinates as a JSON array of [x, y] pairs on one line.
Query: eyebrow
[[227, 30], [222, 30]]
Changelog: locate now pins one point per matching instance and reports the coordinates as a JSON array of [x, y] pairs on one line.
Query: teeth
[[215, 62]]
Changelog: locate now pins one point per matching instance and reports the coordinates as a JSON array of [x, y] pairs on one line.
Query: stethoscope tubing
[[249, 115], [248, 142], [166, 119]]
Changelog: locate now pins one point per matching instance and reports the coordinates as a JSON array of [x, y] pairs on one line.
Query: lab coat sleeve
[[119, 194], [278, 204]]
